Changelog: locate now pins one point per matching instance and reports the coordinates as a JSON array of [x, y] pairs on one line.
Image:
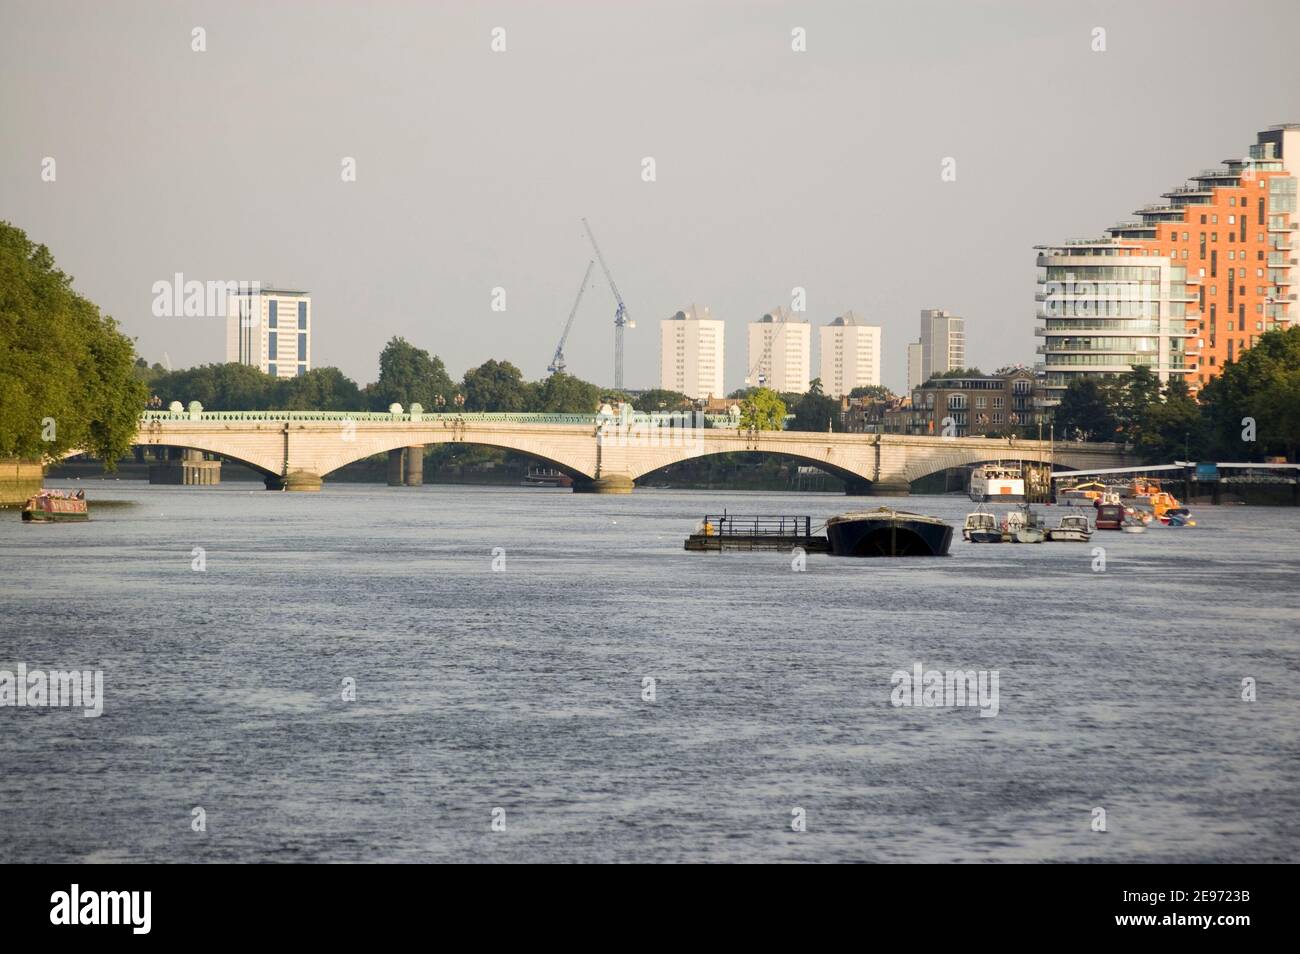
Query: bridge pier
[[300, 481], [395, 459], [891, 488], [415, 465], [185, 466], [611, 484]]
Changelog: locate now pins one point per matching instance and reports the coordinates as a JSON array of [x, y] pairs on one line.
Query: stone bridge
[[603, 453]]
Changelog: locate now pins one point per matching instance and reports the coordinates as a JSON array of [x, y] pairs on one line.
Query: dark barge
[[888, 532]]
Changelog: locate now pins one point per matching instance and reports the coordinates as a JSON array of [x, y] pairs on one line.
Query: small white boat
[[1133, 526], [981, 527], [1022, 526], [1073, 528]]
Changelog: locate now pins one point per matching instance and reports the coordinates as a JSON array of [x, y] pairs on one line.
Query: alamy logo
[[177, 298], [55, 688], [102, 907], [935, 688]]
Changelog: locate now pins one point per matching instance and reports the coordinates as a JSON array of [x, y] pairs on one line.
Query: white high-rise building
[[780, 352], [850, 355], [690, 354], [270, 329], [943, 342]]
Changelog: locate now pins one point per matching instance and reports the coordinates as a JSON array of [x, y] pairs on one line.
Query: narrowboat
[[887, 532], [55, 506]]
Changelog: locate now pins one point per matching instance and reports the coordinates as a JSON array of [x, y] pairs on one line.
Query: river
[[524, 688]]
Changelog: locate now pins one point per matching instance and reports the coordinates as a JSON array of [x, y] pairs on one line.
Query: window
[[273, 344], [302, 315], [272, 370], [273, 318], [302, 369], [302, 346]]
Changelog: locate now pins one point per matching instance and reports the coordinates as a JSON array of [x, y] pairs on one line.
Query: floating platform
[[718, 532]]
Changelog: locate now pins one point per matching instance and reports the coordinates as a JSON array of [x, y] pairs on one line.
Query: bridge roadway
[[603, 453]]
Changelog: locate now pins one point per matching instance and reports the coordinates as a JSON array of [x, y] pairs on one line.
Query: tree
[[410, 375], [1262, 387], [67, 375], [660, 399], [815, 411], [321, 389], [495, 386], [564, 394], [957, 373], [873, 392], [1084, 412], [1172, 427], [762, 410], [1130, 397]]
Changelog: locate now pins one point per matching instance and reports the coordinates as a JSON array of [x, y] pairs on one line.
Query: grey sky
[[775, 168]]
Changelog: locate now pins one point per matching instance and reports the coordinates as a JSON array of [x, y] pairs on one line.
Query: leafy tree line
[[407, 375], [1250, 411], [65, 370]]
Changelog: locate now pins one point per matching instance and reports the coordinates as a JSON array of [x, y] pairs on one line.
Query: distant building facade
[[691, 354], [943, 342], [971, 406], [780, 352], [863, 415], [270, 329], [850, 355], [914, 378]]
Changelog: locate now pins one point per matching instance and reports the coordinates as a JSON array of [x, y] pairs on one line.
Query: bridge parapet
[[340, 417]]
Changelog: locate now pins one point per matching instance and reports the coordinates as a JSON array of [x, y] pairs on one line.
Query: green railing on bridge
[[654, 419], [359, 416]]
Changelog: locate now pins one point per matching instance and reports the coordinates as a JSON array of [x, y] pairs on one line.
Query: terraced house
[[972, 406], [1187, 286]]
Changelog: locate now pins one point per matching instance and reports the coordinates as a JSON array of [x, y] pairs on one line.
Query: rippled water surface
[[522, 689]]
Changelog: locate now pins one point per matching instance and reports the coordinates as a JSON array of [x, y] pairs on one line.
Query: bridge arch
[[375, 446], [851, 478]]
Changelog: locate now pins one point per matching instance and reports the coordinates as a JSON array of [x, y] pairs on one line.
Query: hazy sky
[[775, 169]]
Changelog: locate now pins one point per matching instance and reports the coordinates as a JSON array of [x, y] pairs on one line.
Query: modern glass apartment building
[[270, 329], [1108, 306]]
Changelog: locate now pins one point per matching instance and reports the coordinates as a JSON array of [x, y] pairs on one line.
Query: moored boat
[[887, 532], [1110, 516], [1081, 495], [981, 527], [1023, 526], [1000, 482], [1073, 528], [55, 506], [546, 477]]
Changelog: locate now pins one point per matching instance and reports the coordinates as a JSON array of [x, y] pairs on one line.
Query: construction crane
[[557, 362], [780, 319], [621, 320]]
